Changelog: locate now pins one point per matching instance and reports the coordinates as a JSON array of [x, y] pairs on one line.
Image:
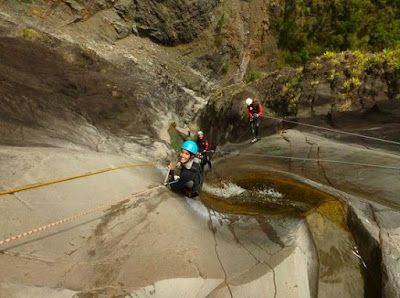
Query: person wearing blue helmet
[[190, 177]]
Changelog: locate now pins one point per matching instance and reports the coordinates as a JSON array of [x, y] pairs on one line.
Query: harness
[[254, 108], [198, 175]]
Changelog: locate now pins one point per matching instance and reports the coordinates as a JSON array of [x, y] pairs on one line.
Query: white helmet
[[249, 101], [200, 133]]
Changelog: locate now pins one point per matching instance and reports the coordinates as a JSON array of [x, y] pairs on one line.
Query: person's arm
[[179, 185], [171, 173], [171, 176], [249, 113], [260, 111], [205, 145]]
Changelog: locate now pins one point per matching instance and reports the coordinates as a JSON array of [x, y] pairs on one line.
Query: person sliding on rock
[[254, 110], [203, 146], [190, 179]]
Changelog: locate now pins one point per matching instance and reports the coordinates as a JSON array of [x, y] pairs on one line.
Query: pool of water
[[262, 193], [270, 195]]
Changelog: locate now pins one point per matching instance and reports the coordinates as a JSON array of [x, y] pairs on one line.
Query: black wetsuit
[[254, 108], [189, 180], [203, 145]]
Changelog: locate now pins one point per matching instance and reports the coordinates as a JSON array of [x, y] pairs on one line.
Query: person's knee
[[189, 185]]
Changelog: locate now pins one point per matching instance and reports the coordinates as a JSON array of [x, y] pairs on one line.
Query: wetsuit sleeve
[[171, 176], [249, 112], [180, 184], [260, 111]]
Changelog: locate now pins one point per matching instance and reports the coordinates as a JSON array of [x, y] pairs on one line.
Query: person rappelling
[[190, 178], [254, 110], [203, 146]]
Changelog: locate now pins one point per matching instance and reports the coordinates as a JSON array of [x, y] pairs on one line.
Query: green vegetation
[[345, 105], [330, 55], [220, 24], [316, 65], [218, 37], [346, 71], [333, 74], [392, 58], [351, 84], [176, 138], [287, 101], [218, 41], [351, 68], [234, 53], [225, 68], [291, 92], [28, 33], [307, 28], [217, 93], [255, 75]]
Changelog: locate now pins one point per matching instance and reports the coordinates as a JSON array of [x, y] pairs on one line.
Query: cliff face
[[87, 62], [167, 22], [223, 40], [171, 21], [350, 90], [66, 97], [218, 46], [55, 93], [88, 75], [67, 83]]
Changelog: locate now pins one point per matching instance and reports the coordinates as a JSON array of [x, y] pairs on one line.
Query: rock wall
[[347, 90], [172, 21], [55, 93], [167, 22]]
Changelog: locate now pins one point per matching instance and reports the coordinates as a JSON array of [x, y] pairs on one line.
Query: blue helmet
[[190, 146]]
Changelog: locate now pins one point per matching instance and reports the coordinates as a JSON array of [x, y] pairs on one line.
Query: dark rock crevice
[[308, 154], [315, 285], [370, 250], [323, 168], [171, 22]]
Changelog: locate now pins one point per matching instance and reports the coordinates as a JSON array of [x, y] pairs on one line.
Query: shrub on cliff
[[307, 28]]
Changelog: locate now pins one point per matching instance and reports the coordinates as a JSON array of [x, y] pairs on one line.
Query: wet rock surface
[[194, 248], [362, 189], [94, 84], [113, 252], [56, 93]]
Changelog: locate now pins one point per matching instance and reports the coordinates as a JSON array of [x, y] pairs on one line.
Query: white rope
[[317, 160], [334, 130], [71, 218]]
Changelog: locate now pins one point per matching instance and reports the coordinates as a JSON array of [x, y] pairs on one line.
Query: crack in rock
[[318, 157], [323, 168], [214, 231], [257, 260], [308, 153], [290, 149], [66, 275], [197, 268]]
